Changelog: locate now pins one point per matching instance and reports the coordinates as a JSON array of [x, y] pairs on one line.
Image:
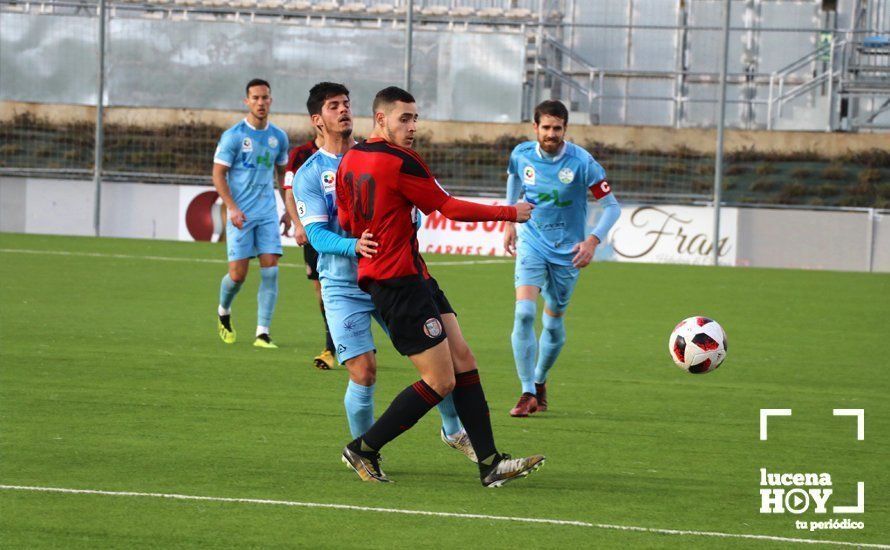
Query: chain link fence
[[164, 144]]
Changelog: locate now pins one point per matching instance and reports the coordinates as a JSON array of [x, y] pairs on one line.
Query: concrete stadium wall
[[629, 137], [807, 239], [757, 237], [65, 207]]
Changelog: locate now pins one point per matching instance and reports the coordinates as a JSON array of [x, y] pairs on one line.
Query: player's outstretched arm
[[326, 241], [466, 211]]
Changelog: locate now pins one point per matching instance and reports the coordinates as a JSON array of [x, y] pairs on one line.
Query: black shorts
[[310, 256], [412, 309]]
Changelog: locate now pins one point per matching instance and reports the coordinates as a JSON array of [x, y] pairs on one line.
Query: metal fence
[[471, 60], [634, 62]]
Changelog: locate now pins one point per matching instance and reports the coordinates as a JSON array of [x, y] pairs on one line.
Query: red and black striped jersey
[[378, 186], [297, 156]]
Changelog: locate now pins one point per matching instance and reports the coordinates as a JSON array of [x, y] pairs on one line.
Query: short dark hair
[[321, 92], [256, 82], [388, 96], [553, 108]]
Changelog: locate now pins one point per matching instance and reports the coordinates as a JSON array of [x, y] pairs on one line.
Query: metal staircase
[[580, 87], [786, 84], [555, 71], [848, 84], [864, 86], [846, 80]]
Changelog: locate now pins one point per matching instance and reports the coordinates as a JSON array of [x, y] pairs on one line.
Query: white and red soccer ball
[[698, 345]]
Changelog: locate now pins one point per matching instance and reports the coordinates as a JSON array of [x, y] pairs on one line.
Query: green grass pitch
[[112, 378]]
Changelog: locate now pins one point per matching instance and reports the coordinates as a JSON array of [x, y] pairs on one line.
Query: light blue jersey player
[[348, 309], [249, 158], [556, 176]]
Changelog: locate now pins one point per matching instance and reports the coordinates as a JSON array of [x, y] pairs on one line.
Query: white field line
[[485, 517], [204, 260]]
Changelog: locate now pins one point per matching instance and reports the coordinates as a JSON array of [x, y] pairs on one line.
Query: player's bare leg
[[495, 468], [266, 298], [229, 287], [525, 348]]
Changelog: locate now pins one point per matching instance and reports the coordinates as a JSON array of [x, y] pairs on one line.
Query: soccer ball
[[698, 345]]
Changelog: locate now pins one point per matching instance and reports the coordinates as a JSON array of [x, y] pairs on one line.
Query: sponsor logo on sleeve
[[301, 208], [328, 181], [528, 175]]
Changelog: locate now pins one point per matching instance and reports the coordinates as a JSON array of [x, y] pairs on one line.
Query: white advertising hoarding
[[757, 237], [439, 235], [671, 234], [651, 234], [202, 215]]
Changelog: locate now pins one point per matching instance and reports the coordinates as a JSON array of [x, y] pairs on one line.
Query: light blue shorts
[[557, 282], [252, 240], [349, 312]]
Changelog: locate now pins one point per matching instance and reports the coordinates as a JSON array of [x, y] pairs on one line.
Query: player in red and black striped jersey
[[297, 156], [380, 185]]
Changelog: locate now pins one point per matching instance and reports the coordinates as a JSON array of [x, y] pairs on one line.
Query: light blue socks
[[267, 295], [552, 338], [227, 291], [359, 403], [525, 344], [450, 422]]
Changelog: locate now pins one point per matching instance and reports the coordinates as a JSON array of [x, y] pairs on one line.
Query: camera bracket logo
[[796, 492]]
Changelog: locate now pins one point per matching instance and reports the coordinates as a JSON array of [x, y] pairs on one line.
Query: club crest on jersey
[[432, 327], [328, 179], [528, 175], [273, 142], [247, 145], [566, 175]]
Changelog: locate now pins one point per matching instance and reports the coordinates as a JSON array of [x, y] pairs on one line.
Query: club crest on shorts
[[566, 175], [432, 327]]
